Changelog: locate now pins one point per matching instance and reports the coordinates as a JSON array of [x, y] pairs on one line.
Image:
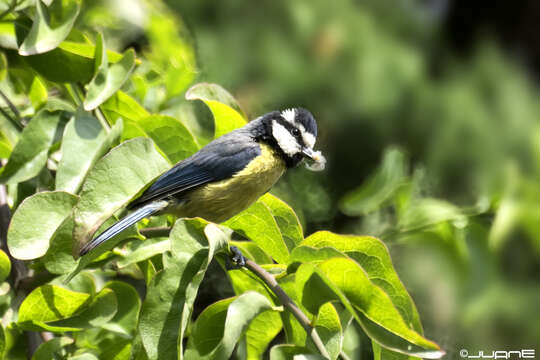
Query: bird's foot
[[238, 260]]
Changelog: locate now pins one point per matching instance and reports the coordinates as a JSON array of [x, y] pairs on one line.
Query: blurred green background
[[428, 114]]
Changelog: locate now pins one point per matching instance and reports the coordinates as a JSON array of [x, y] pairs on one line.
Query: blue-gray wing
[[218, 160]]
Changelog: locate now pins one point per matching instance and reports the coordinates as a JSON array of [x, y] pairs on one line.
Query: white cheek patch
[[309, 139], [289, 115], [285, 140]]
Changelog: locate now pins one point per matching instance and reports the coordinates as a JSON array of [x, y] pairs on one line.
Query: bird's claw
[[238, 259]]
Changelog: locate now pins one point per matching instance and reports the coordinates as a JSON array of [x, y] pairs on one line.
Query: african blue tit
[[229, 174]]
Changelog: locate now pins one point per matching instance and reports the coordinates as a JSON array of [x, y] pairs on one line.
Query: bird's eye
[[296, 132]]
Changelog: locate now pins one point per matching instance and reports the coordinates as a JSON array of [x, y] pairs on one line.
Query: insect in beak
[[317, 161]]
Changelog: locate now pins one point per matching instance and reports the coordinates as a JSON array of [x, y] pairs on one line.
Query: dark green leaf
[[125, 320], [36, 221]]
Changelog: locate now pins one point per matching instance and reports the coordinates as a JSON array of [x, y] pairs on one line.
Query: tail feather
[[123, 224]]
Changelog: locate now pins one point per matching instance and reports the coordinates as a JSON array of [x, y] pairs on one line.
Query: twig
[[13, 108], [102, 119], [287, 302], [154, 232]]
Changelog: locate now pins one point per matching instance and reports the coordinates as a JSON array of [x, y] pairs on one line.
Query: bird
[[228, 174]]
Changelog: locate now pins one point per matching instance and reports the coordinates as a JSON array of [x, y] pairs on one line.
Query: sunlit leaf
[[329, 329], [121, 105], [260, 332], [167, 308], [5, 266], [45, 211], [31, 151], [288, 222], [379, 187], [170, 135], [219, 327], [115, 179], [257, 224], [42, 36], [344, 280], [83, 143], [227, 114], [38, 93]]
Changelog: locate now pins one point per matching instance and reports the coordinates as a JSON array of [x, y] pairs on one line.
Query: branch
[[287, 302]]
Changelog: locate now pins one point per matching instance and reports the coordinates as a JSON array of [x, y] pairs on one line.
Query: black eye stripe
[[290, 128]]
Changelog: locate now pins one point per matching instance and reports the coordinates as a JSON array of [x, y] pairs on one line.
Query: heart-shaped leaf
[[45, 212]]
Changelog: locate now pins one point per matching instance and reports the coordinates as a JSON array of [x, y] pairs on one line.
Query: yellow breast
[[221, 200]]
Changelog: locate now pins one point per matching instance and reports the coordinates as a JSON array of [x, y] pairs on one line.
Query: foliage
[[86, 131]]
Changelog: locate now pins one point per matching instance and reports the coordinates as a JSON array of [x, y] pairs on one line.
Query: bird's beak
[[317, 160]]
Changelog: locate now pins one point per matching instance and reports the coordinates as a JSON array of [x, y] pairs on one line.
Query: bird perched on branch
[[229, 174]]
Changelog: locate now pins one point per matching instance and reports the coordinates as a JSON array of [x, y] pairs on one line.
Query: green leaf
[[5, 266], [167, 308], [219, 327], [427, 212], [227, 113], [292, 352], [344, 280], [51, 349], [108, 79], [31, 151], [252, 251], [380, 186], [70, 62], [112, 183], [2, 341], [83, 143], [257, 224], [170, 135], [98, 313], [36, 221], [145, 250], [58, 259], [260, 332], [121, 105], [328, 327], [38, 93], [50, 303], [288, 222], [42, 36], [125, 320], [374, 258]]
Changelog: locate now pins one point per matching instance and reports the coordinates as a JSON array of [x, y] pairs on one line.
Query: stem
[[97, 111], [287, 302]]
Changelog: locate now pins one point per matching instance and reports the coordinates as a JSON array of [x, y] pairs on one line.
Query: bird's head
[[293, 133]]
